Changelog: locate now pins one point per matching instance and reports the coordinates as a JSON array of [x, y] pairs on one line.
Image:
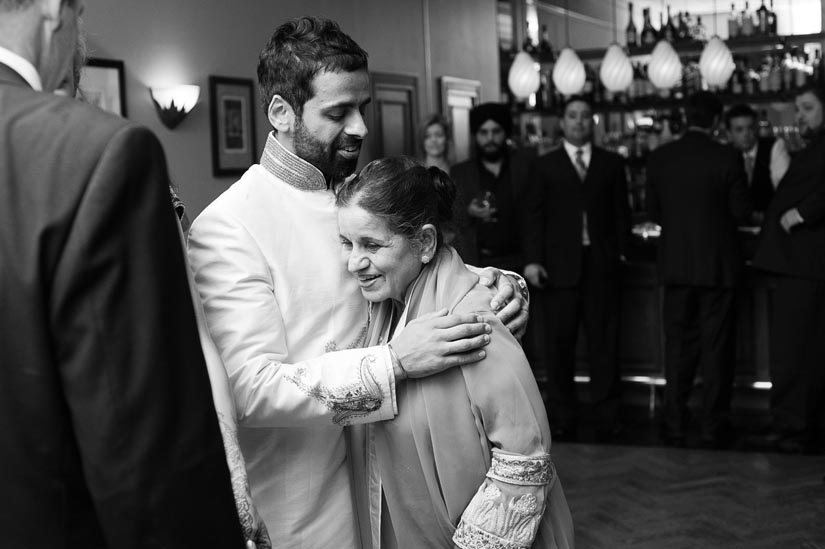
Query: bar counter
[[641, 346]]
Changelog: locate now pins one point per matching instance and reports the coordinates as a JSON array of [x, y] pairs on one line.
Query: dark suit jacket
[[466, 176], [697, 191], [553, 207], [802, 252], [110, 437]]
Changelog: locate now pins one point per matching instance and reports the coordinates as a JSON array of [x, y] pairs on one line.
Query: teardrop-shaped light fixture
[[716, 63], [523, 77], [568, 73], [616, 71], [665, 68]]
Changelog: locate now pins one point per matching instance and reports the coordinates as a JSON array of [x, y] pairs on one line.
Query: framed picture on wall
[[458, 97], [102, 83], [232, 117]]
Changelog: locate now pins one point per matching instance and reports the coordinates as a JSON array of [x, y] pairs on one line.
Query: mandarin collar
[[289, 168]]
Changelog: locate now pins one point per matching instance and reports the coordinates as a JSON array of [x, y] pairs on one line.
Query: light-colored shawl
[[466, 461]]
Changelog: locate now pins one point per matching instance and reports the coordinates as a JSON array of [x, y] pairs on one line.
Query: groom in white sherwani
[[288, 319]]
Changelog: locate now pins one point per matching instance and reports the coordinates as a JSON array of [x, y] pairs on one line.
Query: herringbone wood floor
[[654, 497]]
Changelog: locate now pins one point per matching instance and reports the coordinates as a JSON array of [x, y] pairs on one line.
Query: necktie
[[749, 163], [581, 167]]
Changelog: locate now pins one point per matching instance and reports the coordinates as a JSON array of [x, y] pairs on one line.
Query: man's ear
[[281, 115]]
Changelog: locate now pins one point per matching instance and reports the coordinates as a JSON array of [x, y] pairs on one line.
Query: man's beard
[[323, 155], [491, 153]]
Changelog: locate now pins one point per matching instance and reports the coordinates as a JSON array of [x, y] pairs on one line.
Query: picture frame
[[102, 83], [458, 97], [232, 120]]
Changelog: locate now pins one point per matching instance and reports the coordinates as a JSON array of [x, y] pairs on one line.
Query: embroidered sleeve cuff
[[493, 519], [468, 536], [522, 470]]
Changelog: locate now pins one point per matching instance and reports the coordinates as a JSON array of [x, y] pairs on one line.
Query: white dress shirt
[[22, 67], [780, 160]]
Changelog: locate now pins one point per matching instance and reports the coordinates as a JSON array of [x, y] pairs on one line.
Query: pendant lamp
[[523, 78], [568, 74], [665, 68], [616, 71], [716, 63]]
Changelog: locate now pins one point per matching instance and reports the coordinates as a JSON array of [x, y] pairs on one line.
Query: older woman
[[466, 461]]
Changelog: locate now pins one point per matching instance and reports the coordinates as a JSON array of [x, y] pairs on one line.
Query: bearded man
[[489, 188], [286, 316]]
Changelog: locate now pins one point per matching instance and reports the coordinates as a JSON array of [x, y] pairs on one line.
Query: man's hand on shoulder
[[511, 300], [437, 341]]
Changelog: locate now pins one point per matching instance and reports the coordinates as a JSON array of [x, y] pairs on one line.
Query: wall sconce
[[174, 103]]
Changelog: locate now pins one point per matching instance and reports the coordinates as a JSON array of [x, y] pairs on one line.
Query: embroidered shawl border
[[468, 536], [522, 470]]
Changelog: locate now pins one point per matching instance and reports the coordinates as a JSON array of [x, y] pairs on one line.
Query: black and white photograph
[[428, 274]]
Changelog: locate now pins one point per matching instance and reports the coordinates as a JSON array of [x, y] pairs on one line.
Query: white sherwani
[[289, 321]]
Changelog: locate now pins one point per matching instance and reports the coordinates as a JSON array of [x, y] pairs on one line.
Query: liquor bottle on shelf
[[765, 75], [736, 83], [762, 18], [733, 23], [747, 21], [764, 125], [545, 48], [683, 31], [751, 83], [775, 77], [528, 45], [698, 31], [816, 67], [669, 31], [630, 34], [786, 70], [648, 32], [772, 21]]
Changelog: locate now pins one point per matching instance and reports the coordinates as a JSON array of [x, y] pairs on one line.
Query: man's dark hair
[[816, 89], [297, 51], [572, 99], [702, 108], [738, 111]]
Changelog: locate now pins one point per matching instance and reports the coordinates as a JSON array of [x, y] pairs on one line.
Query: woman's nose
[[356, 262]]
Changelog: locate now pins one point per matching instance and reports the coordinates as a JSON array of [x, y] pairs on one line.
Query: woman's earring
[[425, 259]]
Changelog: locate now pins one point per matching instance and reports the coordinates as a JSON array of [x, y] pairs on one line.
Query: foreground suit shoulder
[[106, 404]]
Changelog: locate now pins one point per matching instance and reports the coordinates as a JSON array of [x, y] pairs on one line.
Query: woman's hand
[[510, 305], [437, 341]]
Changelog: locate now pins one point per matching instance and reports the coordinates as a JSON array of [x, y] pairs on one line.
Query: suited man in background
[[697, 192], [766, 159], [111, 437], [791, 246], [488, 224], [576, 221]]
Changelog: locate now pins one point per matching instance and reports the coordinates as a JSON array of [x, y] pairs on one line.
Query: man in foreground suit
[[697, 192], [110, 434], [576, 222], [792, 248]]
